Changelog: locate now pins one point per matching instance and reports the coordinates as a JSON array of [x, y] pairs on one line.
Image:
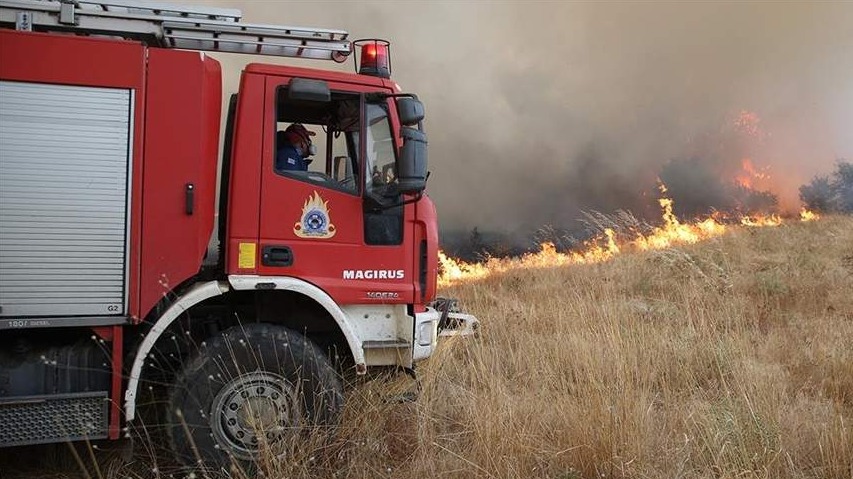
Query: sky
[[537, 111]]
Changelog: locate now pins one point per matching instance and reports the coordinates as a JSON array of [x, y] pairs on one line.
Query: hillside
[[728, 358]]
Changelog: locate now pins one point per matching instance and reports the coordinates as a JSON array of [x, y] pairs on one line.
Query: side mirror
[[411, 111], [412, 171], [303, 89]]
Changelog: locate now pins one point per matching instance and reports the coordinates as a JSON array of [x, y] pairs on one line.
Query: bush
[[830, 194], [818, 195], [844, 186]]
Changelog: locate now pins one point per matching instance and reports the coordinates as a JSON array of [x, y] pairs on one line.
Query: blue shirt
[[288, 158]]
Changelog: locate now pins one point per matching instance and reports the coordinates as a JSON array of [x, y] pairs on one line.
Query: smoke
[[537, 111]]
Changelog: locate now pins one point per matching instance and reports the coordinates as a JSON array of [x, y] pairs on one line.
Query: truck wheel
[[249, 388]]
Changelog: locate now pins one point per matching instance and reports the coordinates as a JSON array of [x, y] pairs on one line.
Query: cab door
[[314, 224]]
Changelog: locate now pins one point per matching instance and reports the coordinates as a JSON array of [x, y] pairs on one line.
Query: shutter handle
[[189, 199]]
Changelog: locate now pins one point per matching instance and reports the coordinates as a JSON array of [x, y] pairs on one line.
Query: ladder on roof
[[174, 26]]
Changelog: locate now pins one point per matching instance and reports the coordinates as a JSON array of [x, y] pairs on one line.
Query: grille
[[60, 418]]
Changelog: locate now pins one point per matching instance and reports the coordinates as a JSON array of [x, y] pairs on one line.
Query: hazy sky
[[538, 109]]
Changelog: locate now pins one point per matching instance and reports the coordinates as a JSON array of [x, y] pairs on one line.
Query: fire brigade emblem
[[315, 222]]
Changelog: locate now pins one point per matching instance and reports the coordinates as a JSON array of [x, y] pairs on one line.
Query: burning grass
[[616, 235]]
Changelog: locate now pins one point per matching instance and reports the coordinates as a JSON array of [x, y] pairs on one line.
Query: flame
[[806, 215], [604, 247], [596, 250], [673, 231], [453, 270], [761, 221], [749, 175]]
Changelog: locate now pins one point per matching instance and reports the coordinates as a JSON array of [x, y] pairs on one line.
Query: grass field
[[731, 358]]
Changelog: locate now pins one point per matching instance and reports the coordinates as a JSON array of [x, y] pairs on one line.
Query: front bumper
[[426, 334], [442, 319]]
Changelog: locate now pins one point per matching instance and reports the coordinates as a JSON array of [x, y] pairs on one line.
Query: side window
[[315, 143], [380, 148]]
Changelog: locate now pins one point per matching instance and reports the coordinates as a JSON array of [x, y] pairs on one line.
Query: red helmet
[[296, 130]]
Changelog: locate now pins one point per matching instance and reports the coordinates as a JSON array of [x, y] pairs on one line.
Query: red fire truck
[[136, 252]]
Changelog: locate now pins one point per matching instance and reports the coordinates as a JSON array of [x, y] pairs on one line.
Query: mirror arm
[[418, 196], [379, 205]]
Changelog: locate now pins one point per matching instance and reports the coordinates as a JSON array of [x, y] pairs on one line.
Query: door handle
[[274, 255], [189, 199]]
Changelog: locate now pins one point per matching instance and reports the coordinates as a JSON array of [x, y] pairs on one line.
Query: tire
[[251, 387]]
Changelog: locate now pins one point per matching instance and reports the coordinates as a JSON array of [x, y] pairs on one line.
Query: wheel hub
[[253, 408]]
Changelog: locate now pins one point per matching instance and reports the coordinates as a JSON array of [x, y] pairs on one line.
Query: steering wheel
[[348, 183]]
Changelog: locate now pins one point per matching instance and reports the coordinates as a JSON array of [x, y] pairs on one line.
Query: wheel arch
[[312, 298], [316, 298], [195, 295]]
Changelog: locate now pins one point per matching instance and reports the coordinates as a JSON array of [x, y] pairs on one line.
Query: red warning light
[[375, 57]]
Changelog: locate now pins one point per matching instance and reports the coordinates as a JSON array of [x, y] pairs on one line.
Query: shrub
[[833, 193]]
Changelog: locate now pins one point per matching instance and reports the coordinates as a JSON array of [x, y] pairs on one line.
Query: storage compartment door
[[64, 162]]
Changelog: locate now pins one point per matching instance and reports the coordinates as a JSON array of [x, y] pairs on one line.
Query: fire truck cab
[[135, 251]]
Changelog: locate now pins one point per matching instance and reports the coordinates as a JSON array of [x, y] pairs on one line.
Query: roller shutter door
[[64, 161]]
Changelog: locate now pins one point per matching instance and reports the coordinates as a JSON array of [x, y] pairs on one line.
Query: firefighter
[[294, 148]]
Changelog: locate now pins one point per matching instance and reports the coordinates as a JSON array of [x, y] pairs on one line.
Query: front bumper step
[[459, 324], [453, 321]]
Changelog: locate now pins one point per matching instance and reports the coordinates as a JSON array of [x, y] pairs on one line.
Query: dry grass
[[731, 358], [728, 359]]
